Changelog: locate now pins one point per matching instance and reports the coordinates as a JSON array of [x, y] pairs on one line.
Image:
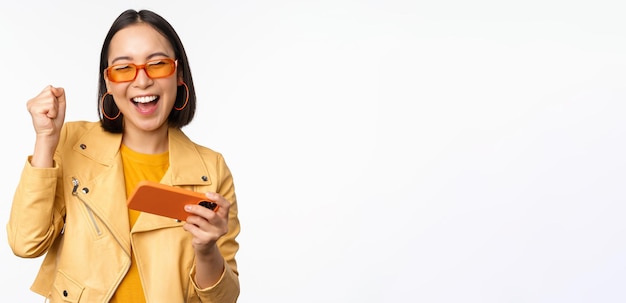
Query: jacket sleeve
[[227, 288], [37, 212]]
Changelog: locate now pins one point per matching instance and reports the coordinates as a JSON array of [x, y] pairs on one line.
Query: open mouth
[[145, 103]]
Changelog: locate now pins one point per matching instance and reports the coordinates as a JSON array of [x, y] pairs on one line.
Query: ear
[[179, 77], [106, 81]]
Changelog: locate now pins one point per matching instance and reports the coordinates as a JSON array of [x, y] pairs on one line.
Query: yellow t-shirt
[[137, 167]]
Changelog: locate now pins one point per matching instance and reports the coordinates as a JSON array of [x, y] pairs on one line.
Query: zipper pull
[[75, 184]]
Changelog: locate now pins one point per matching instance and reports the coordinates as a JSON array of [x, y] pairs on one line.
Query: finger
[[52, 109], [205, 218], [198, 221], [59, 93], [41, 105], [222, 204], [59, 101], [201, 211], [216, 203], [202, 229], [199, 237], [45, 103]]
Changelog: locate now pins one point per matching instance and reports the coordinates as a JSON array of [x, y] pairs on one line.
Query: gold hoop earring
[[186, 96], [102, 107]]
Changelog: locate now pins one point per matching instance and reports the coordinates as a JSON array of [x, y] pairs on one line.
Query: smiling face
[[145, 102]]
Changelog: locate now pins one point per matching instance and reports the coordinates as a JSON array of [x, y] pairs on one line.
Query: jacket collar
[[187, 167], [186, 164]]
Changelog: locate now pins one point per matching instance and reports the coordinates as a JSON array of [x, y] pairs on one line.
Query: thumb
[[59, 92]]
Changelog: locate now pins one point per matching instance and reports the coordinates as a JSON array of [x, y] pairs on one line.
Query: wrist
[[43, 153], [208, 254]]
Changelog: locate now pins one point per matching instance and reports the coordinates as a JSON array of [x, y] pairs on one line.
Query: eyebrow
[[157, 54]]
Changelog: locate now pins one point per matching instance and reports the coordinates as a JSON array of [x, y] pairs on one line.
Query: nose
[[142, 80]]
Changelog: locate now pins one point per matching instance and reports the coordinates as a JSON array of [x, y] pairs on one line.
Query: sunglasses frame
[[139, 67]]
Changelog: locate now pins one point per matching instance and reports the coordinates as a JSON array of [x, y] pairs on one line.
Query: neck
[[147, 142]]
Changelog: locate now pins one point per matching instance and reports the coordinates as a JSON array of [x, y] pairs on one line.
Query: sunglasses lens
[[160, 68], [121, 73]]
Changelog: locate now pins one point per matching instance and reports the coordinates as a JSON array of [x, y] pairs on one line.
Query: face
[[145, 102]]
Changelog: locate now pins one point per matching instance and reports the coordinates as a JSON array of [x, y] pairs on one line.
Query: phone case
[[164, 200]]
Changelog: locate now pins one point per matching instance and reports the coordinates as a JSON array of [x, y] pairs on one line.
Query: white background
[[383, 151]]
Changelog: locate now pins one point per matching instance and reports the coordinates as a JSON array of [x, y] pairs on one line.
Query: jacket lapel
[[104, 191], [186, 164]]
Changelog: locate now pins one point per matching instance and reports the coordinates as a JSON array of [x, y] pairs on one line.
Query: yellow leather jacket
[[75, 213]]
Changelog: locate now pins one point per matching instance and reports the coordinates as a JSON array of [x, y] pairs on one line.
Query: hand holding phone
[[164, 200]]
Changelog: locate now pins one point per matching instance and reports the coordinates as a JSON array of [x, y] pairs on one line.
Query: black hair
[[177, 118]]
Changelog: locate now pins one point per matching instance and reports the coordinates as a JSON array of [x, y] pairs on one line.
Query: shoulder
[[180, 141], [81, 126], [80, 135], [74, 130], [207, 151], [187, 153]]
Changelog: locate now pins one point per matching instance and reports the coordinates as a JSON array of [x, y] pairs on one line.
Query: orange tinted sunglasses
[[159, 68]]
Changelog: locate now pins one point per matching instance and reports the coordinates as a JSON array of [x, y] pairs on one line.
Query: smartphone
[[164, 200]]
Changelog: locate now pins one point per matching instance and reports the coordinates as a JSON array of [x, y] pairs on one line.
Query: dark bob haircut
[[177, 118]]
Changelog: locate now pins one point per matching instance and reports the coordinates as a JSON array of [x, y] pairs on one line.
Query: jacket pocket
[[66, 289]]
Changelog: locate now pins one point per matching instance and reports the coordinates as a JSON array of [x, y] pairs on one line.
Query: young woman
[[70, 203]]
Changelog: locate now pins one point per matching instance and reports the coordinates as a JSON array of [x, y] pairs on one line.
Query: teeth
[[144, 99]]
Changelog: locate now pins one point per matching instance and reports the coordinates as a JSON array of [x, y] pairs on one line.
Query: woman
[[70, 203]]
